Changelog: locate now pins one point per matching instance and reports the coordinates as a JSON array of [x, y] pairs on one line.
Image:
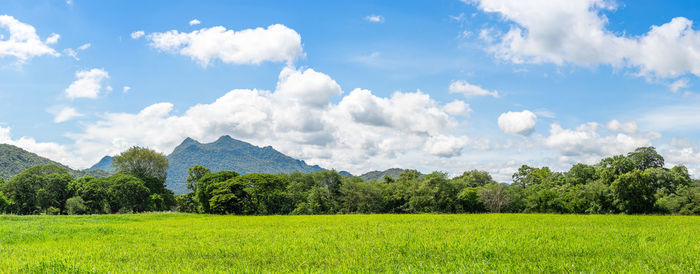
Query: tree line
[[636, 183]]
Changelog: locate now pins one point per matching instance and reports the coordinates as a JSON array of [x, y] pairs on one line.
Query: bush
[[76, 206]]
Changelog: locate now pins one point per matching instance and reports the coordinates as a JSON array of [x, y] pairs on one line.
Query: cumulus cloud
[[585, 143], [88, 84], [66, 114], [469, 90], [517, 123], [195, 22], [126, 89], [298, 118], [276, 43], [374, 18], [446, 146], [457, 107], [574, 31], [628, 127], [137, 34], [23, 42]]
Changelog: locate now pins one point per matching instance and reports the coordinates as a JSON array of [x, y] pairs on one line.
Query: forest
[[636, 183]]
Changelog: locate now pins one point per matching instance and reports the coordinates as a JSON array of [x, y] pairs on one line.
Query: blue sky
[[355, 85]]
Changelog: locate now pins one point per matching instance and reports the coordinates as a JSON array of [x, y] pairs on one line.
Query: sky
[[442, 85]]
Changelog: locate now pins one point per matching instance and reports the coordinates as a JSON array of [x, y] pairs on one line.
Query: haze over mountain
[[14, 160]]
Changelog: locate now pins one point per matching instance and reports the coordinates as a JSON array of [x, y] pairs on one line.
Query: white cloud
[[679, 84], [446, 146], [585, 144], [66, 114], [574, 31], [137, 34], [469, 90], [308, 87], [52, 39], [23, 42], [276, 43], [628, 127], [73, 53], [374, 18], [88, 84], [517, 123], [195, 22], [358, 133], [126, 89], [457, 107]]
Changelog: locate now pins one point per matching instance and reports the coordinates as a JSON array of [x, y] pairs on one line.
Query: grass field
[[349, 243]]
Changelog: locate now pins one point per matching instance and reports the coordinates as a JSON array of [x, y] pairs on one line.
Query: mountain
[[14, 160], [229, 154], [104, 164], [225, 153], [379, 175]]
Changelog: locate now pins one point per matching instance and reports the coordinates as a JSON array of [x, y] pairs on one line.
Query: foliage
[[195, 173], [76, 205], [143, 163], [227, 153]]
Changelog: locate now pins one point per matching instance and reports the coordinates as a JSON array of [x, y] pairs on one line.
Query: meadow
[[175, 242]]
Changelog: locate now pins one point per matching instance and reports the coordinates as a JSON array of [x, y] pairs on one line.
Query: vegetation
[[228, 154], [167, 243], [138, 186], [636, 183], [14, 160]]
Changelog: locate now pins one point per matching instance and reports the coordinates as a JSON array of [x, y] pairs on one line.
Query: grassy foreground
[[349, 243]]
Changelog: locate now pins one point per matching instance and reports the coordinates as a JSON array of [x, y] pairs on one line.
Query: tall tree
[[144, 163], [195, 173], [646, 157]]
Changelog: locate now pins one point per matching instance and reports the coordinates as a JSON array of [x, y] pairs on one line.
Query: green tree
[[146, 164], [76, 205], [38, 189], [187, 203], [205, 187], [475, 178], [195, 173], [527, 176], [127, 193], [4, 203], [633, 192], [469, 200], [645, 158]]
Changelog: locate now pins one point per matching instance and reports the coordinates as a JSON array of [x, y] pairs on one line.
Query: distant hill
[[225, 153], [229, 154], [14, 160], [379, 175], [104, 164]]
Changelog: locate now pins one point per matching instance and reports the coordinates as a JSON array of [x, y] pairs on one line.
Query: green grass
[[349, 243]]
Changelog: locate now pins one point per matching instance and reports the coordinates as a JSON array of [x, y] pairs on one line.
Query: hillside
[[104, 164], [229, 154], [379, 175], [14, 160]]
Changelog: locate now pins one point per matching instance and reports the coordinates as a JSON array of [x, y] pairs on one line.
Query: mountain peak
[[189, 140]]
